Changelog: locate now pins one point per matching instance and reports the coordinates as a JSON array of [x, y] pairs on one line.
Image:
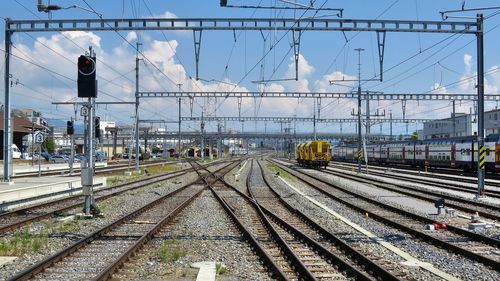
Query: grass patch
[[153, 170], [22, 243], [284, 174], [69, 226], [220, 268], [168, 252]]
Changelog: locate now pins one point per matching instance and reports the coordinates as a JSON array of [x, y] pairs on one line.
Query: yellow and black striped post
[[360, 154], [482, 157]]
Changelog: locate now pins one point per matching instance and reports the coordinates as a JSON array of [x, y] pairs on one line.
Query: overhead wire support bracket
[[295, 6], [296, 50], [197, 45], [381, 49], [445, 17]]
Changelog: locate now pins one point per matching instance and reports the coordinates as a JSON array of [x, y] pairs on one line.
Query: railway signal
[[87, 83], [97, 127], [70, 130]]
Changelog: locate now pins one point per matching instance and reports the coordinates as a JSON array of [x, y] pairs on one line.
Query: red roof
[[20, 124]]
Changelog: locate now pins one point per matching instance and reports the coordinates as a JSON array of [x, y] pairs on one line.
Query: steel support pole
[[367, 112], [454, 120], [359, 108], [72, 158], [90, 155], [202, 137], [7, 132], [180, 145], [480, 103], [137, 110], [390, 120]]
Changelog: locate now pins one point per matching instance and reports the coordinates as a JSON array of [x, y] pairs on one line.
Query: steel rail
[[355, 255], [307, 179], [369, 265], [268, 261], [41, 265], [444, 173], [424, 194], [309, 241], [111, 269], [98, 170], [140, 184]]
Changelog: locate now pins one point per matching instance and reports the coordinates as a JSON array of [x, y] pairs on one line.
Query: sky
[[43, 65]]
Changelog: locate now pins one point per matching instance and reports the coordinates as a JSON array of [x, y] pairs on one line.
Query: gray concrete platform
[[33, 189], [23, 168]]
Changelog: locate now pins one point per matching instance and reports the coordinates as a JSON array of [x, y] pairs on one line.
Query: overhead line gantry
[[197, 25]]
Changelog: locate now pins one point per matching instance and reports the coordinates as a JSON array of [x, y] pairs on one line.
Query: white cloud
[[468, 63], [131, 36]]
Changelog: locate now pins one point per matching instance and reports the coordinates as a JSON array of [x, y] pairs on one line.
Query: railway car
[[455, 153], [313, 154]]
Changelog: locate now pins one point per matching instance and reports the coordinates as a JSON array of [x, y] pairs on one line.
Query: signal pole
[[180, 145], [137, 109], [179, 150], [359, 50]]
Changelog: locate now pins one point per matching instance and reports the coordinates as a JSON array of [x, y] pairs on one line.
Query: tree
[[49, 145], [414, 136]]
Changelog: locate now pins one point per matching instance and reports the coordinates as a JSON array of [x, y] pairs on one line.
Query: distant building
[[459, 126], [465, 125], [21, 128], [492, 122]]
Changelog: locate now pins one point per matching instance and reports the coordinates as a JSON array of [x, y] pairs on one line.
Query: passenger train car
[[458, 152], [313, 153]]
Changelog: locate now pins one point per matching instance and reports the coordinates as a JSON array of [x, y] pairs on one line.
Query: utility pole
[[480, 107], [390, 122], [7, 132], [72, 143], [368, 112], [314, 119], [219, 142], [202, 135], [179, 148], [453, 118], [137, 154], [403, 107], [359, 50], [179, 141]]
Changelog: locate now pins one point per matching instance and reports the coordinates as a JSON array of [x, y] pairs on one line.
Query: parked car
[[100, 156], [59, 159]]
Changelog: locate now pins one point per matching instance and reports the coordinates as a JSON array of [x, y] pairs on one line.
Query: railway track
[[470, 206], [17, 218], [111, 168], [98, 255], [450, 175], [295, 253], [293, 223], [468, 244]]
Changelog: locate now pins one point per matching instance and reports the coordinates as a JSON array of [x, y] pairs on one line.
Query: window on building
[[496, 117]]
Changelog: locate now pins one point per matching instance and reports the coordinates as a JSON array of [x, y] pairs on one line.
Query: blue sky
[[414, 63]]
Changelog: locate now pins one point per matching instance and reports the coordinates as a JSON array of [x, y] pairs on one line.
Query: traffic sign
[[84, 111], [38, 137]]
